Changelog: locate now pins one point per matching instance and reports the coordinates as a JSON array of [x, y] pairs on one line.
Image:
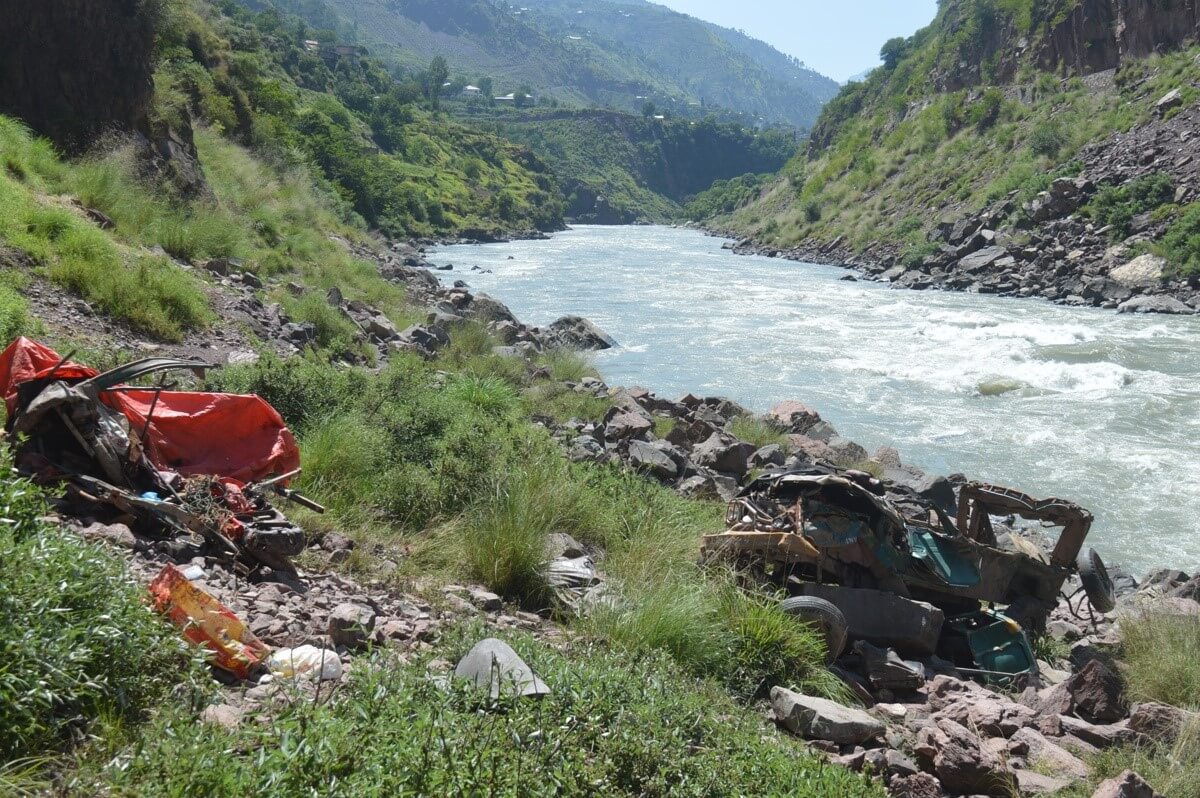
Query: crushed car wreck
[[920, 582], [190, 470]]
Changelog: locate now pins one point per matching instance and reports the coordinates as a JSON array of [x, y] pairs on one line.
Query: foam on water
[[1104, 409]]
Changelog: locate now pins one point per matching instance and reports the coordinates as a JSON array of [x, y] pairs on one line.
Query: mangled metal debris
[[920, 583], [190, 470]]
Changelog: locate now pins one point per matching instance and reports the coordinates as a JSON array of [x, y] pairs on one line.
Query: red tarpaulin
[[238, 437]]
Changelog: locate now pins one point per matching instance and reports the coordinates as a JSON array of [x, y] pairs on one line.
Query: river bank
[[1075, 402]]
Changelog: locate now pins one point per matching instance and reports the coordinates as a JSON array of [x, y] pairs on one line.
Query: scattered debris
[[305, 662], [191, 469], [208, 623], [804, 529]]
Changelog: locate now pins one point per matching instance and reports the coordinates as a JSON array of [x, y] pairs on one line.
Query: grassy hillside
[[644, 168], [611, 54], [401, 166], [958, 117]]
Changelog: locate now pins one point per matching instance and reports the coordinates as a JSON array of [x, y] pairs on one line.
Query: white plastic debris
[[193, 572], [305, 662]]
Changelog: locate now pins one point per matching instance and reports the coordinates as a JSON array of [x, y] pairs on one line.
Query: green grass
[[757, 431], [893, 144], [77, 639], [1161, 654], [1181, 244], [149, 292], [612, 725]]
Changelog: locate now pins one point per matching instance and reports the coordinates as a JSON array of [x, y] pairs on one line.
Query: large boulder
[[1160, 722], [1154, 304], [492, 664], [723, 454], [1142, 272], [821, 719], [794, 417], [960, 760], [651, 459], [623, 426], [576, 332], [1097, 693]]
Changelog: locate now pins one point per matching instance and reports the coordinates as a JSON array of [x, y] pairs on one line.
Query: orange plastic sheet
[[207, 622], [225, 435]]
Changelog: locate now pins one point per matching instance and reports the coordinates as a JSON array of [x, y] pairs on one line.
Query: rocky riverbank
[[1048, 247]]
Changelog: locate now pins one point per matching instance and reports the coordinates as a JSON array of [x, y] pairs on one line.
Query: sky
[[838, 38]]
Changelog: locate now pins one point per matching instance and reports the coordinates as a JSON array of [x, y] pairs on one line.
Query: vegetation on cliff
[[961, 114]]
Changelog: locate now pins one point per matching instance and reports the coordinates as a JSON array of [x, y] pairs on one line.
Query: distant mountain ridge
[[615, 53]]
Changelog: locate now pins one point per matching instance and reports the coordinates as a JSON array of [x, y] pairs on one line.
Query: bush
[[77, 640], [1046, 139], [1181, 244], [1117, 205], [757, 431], [612, 725]]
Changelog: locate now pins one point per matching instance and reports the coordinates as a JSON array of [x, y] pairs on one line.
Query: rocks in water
[[1154, 304], [821, 719], [794, 417], [576, 332], [492, 665]]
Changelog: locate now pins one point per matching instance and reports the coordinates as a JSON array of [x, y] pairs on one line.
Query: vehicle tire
[[825, 616], [1096, 582]]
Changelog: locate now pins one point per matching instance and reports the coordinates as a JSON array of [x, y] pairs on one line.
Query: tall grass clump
[[757, 431], [77, 640], [1162, 658]]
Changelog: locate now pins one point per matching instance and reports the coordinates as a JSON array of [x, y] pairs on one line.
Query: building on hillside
[[312, 45], [472, 91]]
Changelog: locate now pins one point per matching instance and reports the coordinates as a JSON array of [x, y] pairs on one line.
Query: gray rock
[[978, 261], [723, 455], [1127, 785], [485, 599], [492, 664], [1160, 722], [820, 719], [627, 425], [1154, 304], [486, 309], [1142, 272], [576, 332], [1170, 100], [769, 456], [648, 458], [960, 760], [1032, 783], [351, 625]]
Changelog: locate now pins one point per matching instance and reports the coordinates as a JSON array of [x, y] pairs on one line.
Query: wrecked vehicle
[[922, 584], [192, 471]]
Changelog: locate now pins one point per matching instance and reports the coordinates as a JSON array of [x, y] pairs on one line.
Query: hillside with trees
[[608, 54]]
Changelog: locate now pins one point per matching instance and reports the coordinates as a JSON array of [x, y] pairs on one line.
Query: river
[[1080, 403]]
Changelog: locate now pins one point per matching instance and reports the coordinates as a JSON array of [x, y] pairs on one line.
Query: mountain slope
[[617, 168], [973, 119], [597, 53]]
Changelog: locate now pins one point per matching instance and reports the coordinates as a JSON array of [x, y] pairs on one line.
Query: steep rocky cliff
[[73, 69], [1061, 132]]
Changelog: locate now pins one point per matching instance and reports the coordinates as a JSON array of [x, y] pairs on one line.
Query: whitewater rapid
[[1080, 403]]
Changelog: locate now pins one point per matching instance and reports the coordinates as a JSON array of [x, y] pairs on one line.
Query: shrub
[[77, 640], [612, 725], [1181, 244], [756, 431], [1046, 139], [1117, 205]]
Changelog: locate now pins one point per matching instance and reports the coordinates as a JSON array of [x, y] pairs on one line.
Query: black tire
[[1096, 581], [825, 616]]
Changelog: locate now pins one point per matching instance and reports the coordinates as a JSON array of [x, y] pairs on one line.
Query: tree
[[486, 87], [893, 51], [439, 73], [649, 109], [523, 96]]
